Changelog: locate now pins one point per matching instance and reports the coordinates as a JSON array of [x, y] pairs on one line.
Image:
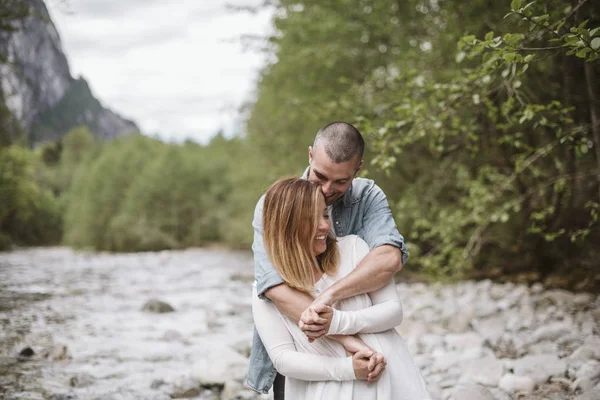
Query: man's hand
[[315, 321]]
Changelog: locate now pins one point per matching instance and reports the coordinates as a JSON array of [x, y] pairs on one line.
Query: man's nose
[[325, 188]]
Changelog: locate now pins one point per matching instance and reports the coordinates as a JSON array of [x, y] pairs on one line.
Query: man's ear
[[310, 155], [360, 165]]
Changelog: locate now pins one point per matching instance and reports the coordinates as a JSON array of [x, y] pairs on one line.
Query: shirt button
[[337, 222]]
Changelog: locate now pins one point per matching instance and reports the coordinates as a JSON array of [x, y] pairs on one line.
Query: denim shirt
[[364, 211]]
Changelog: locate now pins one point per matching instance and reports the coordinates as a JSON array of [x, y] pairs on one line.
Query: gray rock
[[490, 329], [516, 384], [445, 360], [593, 394], [463, 340], [544, 347], [588, 376], [63, 396], [558, 297], [172, 335], [500, 394], [552, 331], [470, 391], [25, 354], [55, 353], [157, 383], [590, 350], [42, 79], [484, 371], [583, 300], [460, 322], [539, 367], [157, 306], [81, 380], [186, 393], [219, 366]]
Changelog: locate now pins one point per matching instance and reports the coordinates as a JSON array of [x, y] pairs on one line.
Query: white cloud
[[177, 68]]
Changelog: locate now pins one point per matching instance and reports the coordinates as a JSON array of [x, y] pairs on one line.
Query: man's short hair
[[341, 141]]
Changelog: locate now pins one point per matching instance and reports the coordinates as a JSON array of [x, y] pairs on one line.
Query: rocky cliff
[[38, 86]]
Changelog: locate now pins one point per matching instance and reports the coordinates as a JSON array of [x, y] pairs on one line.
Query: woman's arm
[[282, 350], [384, 314]]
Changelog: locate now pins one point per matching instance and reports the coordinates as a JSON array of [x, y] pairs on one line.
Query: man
[[356, 206]]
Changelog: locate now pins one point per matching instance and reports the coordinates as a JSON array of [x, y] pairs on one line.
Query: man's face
[[334, 178]]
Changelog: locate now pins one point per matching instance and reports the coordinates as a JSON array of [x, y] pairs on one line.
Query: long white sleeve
[[287, 360], [384, 314]]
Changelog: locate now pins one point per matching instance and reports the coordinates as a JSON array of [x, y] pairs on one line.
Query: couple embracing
[[324, 304]]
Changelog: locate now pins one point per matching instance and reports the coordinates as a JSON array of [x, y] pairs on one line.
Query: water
[[91, 303]]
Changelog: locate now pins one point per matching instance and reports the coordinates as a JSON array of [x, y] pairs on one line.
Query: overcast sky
[[177, 68]]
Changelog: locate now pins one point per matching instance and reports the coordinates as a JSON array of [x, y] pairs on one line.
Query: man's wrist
[[329, 296]]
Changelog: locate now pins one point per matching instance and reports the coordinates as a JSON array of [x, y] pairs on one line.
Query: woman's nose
[[324, 224]]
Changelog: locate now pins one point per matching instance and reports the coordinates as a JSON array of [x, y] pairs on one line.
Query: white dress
[[321, 370]]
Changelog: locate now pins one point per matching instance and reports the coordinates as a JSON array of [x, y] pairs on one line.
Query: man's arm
[[290, 301], [374, 271]]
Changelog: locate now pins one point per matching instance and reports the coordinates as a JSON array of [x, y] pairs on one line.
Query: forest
[[482, 123]]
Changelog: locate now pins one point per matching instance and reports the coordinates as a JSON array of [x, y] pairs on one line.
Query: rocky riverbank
[[178, 325], [480, 340]]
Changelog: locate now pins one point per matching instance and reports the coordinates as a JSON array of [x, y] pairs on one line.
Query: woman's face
[[323, 226]]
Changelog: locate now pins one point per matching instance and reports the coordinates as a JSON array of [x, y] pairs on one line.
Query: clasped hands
[[367, 363]]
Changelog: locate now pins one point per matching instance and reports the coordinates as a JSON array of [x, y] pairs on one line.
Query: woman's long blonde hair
[[289, 227]]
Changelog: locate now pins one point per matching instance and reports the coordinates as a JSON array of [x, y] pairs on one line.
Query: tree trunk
[[594, 115]]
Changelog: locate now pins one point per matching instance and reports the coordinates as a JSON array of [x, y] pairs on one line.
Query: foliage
[[28, 213], [485, 143], [140, 194], [520, 157]]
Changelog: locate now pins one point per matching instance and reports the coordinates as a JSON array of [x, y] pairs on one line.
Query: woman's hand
[[375, 361], [360, 363]]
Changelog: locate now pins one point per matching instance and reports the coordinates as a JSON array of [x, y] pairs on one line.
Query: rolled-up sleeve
[[379, 227], [264, 273]]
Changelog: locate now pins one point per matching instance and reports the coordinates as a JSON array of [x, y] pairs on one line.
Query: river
[[92, 304], [73, 327]]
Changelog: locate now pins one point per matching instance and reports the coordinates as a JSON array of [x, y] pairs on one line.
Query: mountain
[[38, 87]]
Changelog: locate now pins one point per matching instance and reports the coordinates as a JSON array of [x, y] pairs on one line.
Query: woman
[[297, 237]]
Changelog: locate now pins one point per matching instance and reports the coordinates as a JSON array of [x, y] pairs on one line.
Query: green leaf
[[528, 58], [594, 31], [571, 38], [595, 43], [470, 39], [516, 4], [509, 57], [489, 35], [460, 56]]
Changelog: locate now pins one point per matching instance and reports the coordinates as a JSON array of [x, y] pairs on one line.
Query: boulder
[[540, 368], [157, 306], [516, 384], [470, 391], [484, 371]]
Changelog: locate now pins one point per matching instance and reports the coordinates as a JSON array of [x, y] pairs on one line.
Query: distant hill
[[39, 89]]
